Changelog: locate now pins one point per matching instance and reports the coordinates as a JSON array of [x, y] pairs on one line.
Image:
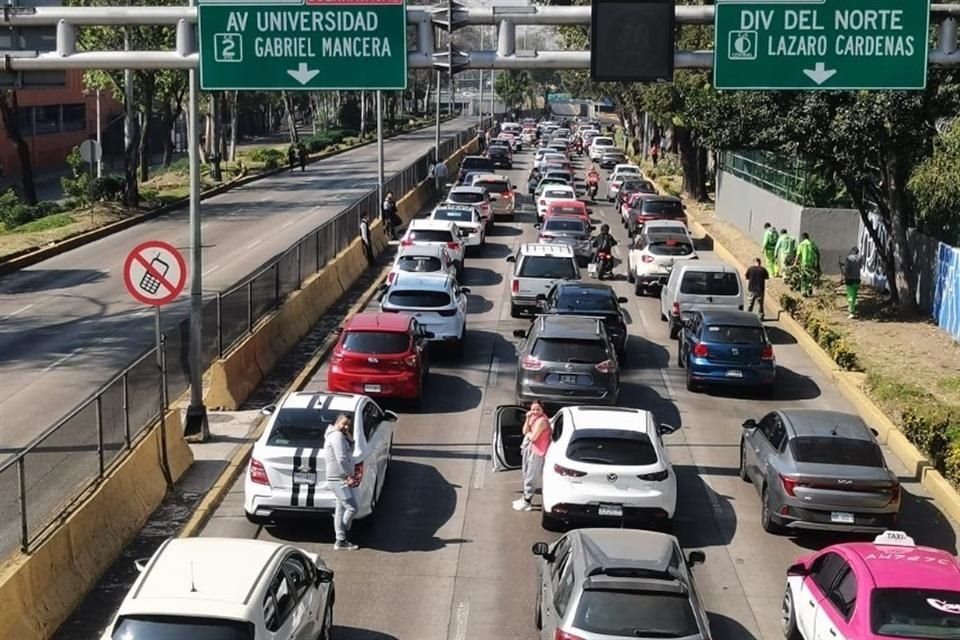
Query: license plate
[[564, 379], [372, 388], [304, 477], [841, 517], [592, 268], [734, 373], [613, 510]]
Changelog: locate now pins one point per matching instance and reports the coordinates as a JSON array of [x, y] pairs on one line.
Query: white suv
[[598, 145], [537, 267], [656, 249], [227, 588], [436, 232], [468, 220], [436, 300], [608, 464]]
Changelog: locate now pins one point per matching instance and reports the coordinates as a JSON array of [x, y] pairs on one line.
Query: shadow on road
[[700, 498], [725, 628], [353, 633]]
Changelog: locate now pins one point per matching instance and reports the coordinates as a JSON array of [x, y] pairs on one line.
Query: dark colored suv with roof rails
[[471, 164], [592, 300]]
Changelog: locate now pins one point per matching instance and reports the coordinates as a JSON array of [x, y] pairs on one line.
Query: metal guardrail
[[43, 480], [785, 178]]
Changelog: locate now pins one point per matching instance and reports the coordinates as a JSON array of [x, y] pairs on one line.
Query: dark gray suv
[[567, 360]]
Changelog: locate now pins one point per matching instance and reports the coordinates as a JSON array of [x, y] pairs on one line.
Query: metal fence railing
[[783, 177], [44, 478]]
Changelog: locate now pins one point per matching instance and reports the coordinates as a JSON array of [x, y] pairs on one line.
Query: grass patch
[[893, 392], [55, 221], [950, 385]]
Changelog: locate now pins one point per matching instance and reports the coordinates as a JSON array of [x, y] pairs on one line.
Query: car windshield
[[641, 186], [477, 163], [836, 450], [568, 226], [419, 264], [300, 427], [548, 267], [557, 193], [710, 283], [587, 301], [567, 210], [623, 171], [669, 247], [455, 215], [636, 614], [613, 157], [465, 196], [733, 334], [178, 627], [567, 350], [430, 235], [662, 207], [376, 342], [494, 186], [419, 299], [915, 613]]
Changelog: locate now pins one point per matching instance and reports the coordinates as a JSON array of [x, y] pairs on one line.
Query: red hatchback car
[[382, 355]]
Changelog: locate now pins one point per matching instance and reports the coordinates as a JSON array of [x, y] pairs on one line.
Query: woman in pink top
[[536, 439]]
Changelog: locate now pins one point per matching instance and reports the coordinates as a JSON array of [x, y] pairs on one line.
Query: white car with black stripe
[[286, 474]]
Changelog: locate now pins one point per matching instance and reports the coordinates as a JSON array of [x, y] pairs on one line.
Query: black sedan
[[593, 300]]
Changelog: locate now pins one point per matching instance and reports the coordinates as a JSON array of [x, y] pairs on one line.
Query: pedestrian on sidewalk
[[769, 245], [365, 237], [341, 477], [481, 140], [757, 277], [292, 156], [536, 439], [851, 279], [808, 259], [655, 152], [440, 174], [784, 253], [388, 214], [302, 154]]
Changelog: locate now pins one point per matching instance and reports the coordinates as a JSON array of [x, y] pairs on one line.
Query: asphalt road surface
[[446, 558], [67, 325]]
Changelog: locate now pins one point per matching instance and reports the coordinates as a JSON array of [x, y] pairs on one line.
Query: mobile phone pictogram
[[149, 282]]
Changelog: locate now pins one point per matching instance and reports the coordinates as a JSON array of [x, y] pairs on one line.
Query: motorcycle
[[593, 183], [603, 265]]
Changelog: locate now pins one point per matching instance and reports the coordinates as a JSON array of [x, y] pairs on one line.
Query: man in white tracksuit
[[340, 468]]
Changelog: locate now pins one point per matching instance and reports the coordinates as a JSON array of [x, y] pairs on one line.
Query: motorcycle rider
[[604, 244], [593, 181]]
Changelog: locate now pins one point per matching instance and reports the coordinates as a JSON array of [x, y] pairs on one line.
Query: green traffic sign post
[[821, 44], [312, 45]]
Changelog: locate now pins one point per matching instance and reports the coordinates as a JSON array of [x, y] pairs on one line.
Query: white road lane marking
[[18, 311], [494, 372], [287, 224], [253, 244], [463, 614], [712, 493], [480, 469], [211, 270], [56, 363]]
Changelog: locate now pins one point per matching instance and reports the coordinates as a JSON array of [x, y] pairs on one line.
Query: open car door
[[507, 437]]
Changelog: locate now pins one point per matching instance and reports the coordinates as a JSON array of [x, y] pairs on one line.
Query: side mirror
[[876, 434], [542, 549], [390, 416], [464, 289], [749, 424], [511, 258], [338, 330], [537, 225], [513, 186], [268, 410], [324, 576], [519, 333], [798, 569], [696, 557], [666, 429], [622, 300]]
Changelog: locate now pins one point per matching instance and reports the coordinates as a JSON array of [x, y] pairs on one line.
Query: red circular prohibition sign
[[155, 285]]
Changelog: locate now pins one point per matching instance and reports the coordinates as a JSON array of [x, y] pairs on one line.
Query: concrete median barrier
[[39, 590]]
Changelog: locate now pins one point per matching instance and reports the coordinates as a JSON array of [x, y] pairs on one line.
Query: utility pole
[[380, 184], [99, 138]]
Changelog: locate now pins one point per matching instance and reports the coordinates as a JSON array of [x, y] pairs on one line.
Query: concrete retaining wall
[[39, 590]]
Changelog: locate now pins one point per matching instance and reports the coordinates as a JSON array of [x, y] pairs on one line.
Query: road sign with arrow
[[275, 45], [821, 44]]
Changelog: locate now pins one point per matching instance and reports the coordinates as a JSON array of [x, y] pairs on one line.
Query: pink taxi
[[889, 589]]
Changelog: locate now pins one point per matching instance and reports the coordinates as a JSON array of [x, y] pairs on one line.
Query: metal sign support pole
[[436, 141], [197, 426], [99, 138], [380, 184], [162, 367]]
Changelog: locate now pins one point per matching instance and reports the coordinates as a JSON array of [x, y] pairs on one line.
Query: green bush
[[832, 341], [109, 187], [266, 155], [77, 184], [951, 465], [929, 426], [14, 213]]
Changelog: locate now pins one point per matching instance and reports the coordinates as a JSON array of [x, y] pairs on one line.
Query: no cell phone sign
[[154, 273]]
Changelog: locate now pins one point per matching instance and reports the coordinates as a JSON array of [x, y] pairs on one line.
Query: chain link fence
[[46, 477]]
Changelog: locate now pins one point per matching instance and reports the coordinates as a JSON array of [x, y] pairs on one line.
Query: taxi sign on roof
[[894, 539]]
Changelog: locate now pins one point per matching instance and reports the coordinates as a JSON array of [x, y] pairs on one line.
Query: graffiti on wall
[[871, 266], [946, 300]]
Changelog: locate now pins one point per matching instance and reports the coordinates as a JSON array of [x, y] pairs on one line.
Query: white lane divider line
[[667, 385], [494, 372], [211, 270], [253, 244], [711, 493], [287, 224], [56, 363], [19, 311], [463, 614], [480, 469]]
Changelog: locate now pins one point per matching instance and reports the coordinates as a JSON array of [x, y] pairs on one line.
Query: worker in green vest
[[784, 252], [769, 246], [808, 259]]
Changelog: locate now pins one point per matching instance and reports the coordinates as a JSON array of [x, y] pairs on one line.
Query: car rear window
[[419, 299], [430, 235], [477, 163], [494, 186], [636, 614], [603, 142], [670, 248], [834, 450], [570, 299], [566, 350], [300, 428], [466, 196], [915, 613], [732, 334], [376, 342], [556, 193], [567, 210], [454, 215], [628, 449], [547, 267], [575, 226], [177, 627], [419, 264], [661, 208], [710, 283], [641, 186]]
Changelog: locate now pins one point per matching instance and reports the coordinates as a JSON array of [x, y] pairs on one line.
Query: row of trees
[[882, 147]]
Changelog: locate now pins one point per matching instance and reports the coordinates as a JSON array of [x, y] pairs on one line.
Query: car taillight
[[767, 352], [893, 491], [411, 361], [336, 358], [529, 363], [676, 309], [391, 277], [508, 195], [789, 484], [701, 351], [647, 258], [258, 475], [515, 286], [606, 366], [659, 476], [563, 635], [406, 243], [568, 473], [453, 245], [543, 202]]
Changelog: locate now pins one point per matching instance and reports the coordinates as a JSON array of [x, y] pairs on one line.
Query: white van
[[704, 284]]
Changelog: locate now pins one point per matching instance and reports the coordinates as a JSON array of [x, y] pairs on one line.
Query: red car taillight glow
[[676, 309], [767, 352], [336, 358], [406, 243], [568, 473], [789, 484], [411, 361], [453, 245], [606, 366], [515, 286], [647, 259], [258, 475], [529, 363], [701, 351]]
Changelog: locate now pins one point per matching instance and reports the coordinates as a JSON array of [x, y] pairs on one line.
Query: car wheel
[[550, 523], [674, 331], [663, 316], [691, 383], [680, 354], [514, 311], [631, 278], [788, 617], [639, 290], [767, 519], [743, 464], [326, 633]]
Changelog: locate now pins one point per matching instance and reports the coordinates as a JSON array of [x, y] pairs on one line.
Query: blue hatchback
[[726, 347]]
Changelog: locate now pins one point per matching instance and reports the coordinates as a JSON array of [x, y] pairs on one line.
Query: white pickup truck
[[537, 267]]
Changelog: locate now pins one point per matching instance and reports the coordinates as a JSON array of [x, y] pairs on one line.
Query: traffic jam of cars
[[614, 568]]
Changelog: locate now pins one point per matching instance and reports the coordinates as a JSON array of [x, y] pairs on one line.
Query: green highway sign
[[284, 45], [821, 44]]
